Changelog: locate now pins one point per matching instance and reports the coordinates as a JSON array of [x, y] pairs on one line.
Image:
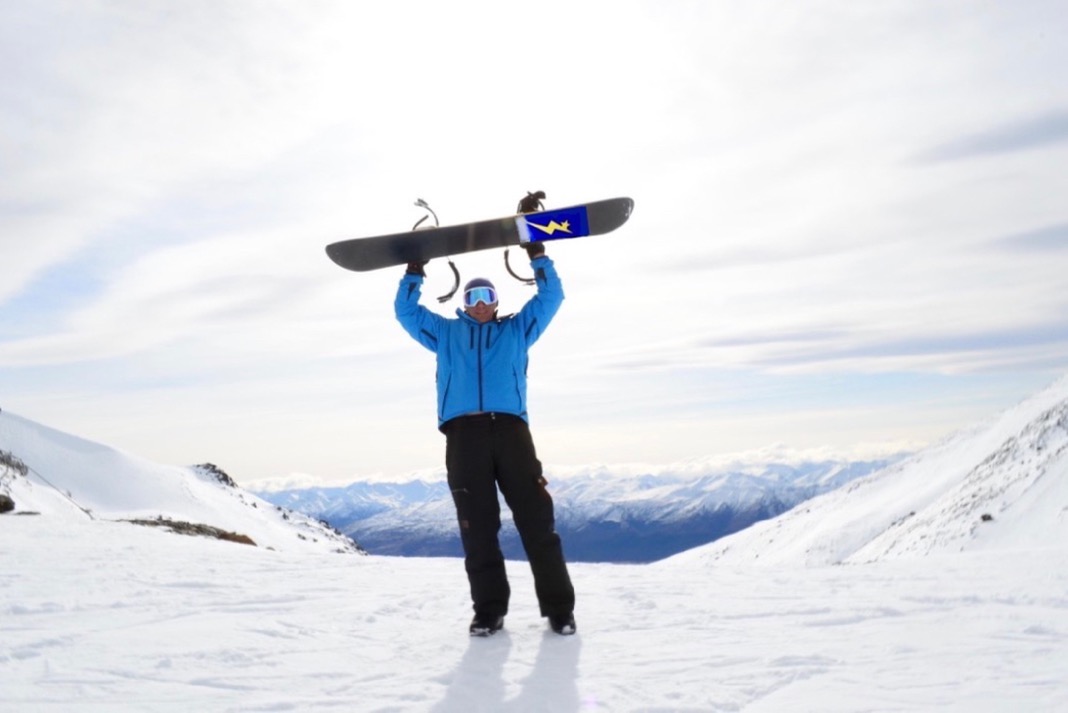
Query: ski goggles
[[487, 295]]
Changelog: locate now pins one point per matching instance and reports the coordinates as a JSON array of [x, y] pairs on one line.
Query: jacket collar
[[471, 320]]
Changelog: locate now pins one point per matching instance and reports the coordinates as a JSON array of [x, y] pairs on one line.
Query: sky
[[849, 228]]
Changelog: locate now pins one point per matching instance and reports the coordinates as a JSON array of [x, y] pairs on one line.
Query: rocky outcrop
[[216, 473]]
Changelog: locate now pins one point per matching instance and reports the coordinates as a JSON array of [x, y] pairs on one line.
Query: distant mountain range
[[604, 514], [1001, 484]]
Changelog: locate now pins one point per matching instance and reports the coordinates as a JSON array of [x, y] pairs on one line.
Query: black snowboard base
[[597, 218]]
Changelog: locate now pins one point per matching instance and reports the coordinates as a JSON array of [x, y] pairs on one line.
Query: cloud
[[170, 179], [1023, 135], [1048, 239], [1040, 345], [293, 481]]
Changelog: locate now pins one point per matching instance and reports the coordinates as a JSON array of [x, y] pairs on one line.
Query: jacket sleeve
[[540, 309], [423, 325]]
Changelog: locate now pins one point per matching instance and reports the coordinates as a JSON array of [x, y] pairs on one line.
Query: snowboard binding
[[530, 203], [420, 203]]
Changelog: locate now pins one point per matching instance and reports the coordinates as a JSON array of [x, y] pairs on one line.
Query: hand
[[416, 268], [534, 250]]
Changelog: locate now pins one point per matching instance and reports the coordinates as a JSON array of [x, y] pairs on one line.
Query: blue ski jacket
[[481, 368]]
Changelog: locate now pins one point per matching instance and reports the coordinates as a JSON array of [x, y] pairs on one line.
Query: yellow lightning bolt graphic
[[552, 227]]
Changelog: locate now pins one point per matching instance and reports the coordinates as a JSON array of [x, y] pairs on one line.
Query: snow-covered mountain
[[1000, 485], [62, 478], [622, 513]]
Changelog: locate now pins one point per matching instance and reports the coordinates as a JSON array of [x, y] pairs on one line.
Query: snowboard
[[597, 218]]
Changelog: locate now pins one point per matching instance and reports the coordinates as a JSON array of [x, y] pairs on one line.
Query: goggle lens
[[472, 297]]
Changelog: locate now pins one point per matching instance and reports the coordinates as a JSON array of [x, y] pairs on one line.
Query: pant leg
[[520, 477], [469, 461]]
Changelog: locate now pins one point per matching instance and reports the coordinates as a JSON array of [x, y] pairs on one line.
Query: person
[[482, 410]]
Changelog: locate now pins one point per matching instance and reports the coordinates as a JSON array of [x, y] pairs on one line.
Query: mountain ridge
[[64, 478], [998, 484]]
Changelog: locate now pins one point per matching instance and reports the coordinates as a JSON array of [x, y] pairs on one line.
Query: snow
[[105, 616], [925, 612]]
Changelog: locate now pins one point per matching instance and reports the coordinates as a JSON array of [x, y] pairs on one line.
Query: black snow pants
[[484, 452]]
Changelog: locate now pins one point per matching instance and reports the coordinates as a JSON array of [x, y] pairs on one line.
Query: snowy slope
[[72, 479], [103, 618], [1000, 485]]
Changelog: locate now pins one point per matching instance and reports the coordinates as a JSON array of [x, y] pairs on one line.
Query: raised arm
[[423, 325], [542, 307]]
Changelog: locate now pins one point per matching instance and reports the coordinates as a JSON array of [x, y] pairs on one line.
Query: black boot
[[483, 625], [563, 624]]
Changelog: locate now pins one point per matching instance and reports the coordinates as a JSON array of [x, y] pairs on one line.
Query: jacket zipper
[[480, 395]]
